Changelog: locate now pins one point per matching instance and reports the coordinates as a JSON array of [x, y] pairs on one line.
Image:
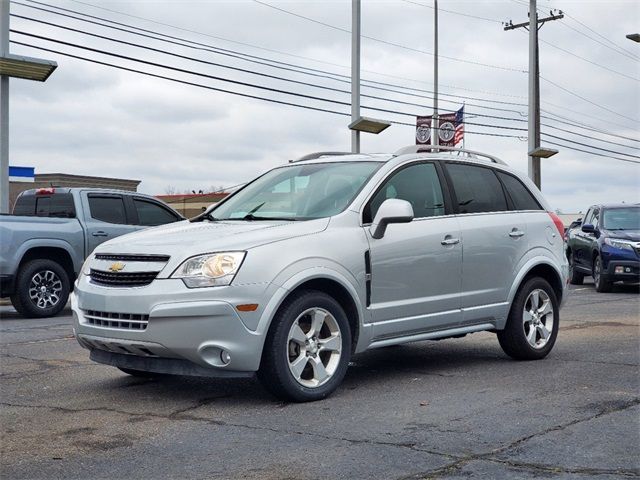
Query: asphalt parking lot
[[455, 408]]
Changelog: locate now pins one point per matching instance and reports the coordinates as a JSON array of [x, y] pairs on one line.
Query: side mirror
[[392, 210], [588, 228]]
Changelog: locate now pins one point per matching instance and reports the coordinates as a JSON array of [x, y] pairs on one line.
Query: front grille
[[132, 258], [121, 279], [122, 321]]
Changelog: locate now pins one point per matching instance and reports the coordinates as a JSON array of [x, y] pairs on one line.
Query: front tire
[[308, 347], [600, 280], [42, 289], [532, 326]]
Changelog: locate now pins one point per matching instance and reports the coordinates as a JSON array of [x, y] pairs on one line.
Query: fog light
[[225, 357], [627, 269], [619, 270]]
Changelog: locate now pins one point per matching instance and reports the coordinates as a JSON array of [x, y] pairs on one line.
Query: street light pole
[[4, 110], [355, 73], [534, 94], [436, 124]]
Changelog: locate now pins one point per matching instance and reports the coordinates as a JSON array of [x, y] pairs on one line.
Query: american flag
[[459, 123]]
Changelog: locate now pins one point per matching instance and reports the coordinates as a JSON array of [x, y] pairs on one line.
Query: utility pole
[[355, 73], [534, 88], [436, 124], [4, 110]]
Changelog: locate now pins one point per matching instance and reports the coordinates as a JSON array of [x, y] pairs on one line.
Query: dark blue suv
[[606, 246]]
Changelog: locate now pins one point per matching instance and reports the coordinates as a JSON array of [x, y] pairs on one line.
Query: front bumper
[[199, 326], [630, 270]]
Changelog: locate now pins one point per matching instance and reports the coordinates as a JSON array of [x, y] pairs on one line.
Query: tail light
[[45, 191], [558, 223]]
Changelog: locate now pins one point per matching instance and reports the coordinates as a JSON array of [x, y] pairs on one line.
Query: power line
[[589, 61], [602, 36], [398, 45], [587, 100], [440, 9], [236, 82], [618, 51], [591, 153], [217, 89], [237, 54], [208, 87], [502, 94], [579, 125]]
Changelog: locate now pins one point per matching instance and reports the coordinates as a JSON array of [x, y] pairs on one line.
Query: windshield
[[298, 192], [621, 218]]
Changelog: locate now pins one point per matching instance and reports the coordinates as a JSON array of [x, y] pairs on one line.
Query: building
[[191, 204], [41, 180]]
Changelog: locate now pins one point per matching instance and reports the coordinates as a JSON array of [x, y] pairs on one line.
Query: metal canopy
[[26, 67]]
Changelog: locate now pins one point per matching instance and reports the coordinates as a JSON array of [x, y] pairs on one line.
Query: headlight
[[210, 270], [86, 270], [615, 243]]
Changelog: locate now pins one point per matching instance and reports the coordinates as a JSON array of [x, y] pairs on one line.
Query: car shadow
[[384, 365]]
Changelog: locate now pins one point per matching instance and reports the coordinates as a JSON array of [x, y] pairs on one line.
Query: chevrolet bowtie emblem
[[116, 267]]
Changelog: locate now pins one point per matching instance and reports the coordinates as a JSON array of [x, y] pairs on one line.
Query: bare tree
[[170, 190]]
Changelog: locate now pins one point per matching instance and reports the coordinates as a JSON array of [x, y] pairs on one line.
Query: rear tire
[[42, 289], [575, 277], [603, 285], [307, 349], [532, 325]]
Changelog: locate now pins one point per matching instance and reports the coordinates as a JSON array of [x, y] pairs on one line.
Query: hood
[[184, 239], [632, 235]]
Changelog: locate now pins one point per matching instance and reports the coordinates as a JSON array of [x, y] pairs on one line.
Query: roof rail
[[313, 156], [438, 148]]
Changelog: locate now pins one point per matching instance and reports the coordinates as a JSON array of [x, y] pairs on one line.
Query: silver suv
[[324, 258]]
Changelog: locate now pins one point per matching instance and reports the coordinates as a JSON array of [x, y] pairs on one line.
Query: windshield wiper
[[251, 216]]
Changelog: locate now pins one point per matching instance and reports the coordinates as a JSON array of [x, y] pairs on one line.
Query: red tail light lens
[[45, 191], [558, 223]]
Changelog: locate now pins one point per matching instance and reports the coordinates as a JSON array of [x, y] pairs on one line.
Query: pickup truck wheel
[[42, 289], [575, 277], [308, 347], [603, 284], [532, 325]]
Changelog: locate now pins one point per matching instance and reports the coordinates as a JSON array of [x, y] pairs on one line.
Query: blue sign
[[21, 174]]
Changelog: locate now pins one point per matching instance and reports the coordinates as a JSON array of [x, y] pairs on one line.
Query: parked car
[[607, 246], [326, 257], [575, 224], [52, 230]]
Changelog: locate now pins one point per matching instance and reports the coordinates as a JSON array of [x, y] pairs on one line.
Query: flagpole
[[435, 123], [463, 126]]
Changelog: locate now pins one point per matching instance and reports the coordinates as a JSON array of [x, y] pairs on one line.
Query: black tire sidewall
[[274, 372], [21, 300], [603, 284], [513, 339], [575, 277]]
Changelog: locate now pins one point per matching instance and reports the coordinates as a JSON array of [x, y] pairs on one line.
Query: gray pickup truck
[[52, 230]]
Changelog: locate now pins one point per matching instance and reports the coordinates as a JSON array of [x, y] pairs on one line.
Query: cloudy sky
[[93, 119]]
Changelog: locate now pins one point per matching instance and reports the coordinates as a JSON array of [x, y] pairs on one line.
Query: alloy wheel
[[314, 347], [45, 289], [537, 318]]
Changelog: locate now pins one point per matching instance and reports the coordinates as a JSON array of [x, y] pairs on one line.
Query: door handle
[[515, 233], [448, 240], [100, 233]]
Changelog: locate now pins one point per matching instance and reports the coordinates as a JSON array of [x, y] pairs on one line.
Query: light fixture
[[26, 67], [369, 125], [542, 152], [634, 36]]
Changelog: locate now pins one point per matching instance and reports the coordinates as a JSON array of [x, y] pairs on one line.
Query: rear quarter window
[[520, 195], [477, 189], [58, 205]]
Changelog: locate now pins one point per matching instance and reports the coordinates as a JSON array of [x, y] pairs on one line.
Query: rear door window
[[108, 209], [520, 195], [477, 189], [57, 205], [151, 214]]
